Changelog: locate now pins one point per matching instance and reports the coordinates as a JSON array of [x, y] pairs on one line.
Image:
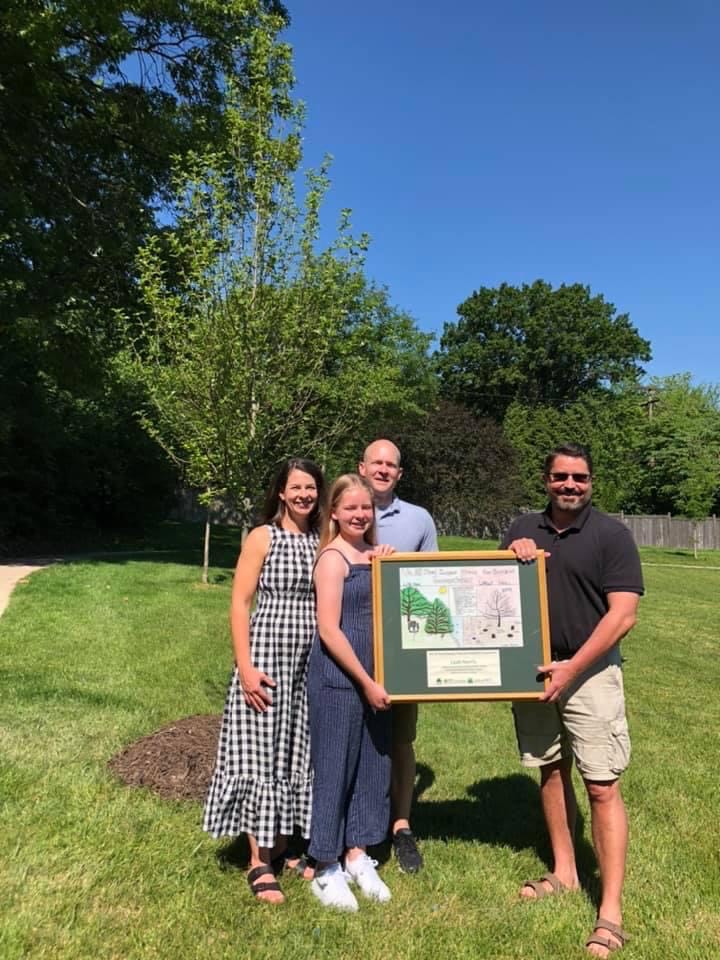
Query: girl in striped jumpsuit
[[349, 718]]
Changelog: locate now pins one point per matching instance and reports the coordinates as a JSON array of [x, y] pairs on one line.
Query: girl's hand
[[382, 550], [377, 696], [253, 683]]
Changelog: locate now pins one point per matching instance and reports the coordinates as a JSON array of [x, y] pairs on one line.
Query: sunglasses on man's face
[[560, 477]]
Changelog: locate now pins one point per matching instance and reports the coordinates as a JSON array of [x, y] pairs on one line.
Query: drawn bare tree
[[499, 605]]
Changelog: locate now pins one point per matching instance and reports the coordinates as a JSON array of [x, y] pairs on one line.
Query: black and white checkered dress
[[262, 782]]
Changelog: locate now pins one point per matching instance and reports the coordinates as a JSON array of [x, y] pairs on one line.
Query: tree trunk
[[206, 547]]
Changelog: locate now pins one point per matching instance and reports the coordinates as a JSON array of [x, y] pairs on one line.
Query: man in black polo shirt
[[594, 583]]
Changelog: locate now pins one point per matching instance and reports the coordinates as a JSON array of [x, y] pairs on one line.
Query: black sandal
[[263, 870], [304, 862]]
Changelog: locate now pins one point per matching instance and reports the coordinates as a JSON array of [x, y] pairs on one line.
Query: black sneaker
[[407, 854]]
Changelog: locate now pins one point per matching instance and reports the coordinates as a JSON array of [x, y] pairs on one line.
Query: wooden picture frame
[[471, 625]]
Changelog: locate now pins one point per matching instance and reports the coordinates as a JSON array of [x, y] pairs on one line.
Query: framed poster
[[460, 626]]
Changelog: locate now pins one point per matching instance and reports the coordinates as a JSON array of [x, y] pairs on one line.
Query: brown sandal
[[257, 888], [556, 887], [621, 938]]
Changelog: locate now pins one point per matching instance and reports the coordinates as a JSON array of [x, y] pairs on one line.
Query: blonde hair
[[330, 528]]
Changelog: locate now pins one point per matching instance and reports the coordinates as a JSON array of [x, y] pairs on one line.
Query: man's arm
[[610, 629]]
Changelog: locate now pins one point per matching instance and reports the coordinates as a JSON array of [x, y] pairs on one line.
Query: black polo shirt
[[595, 556]]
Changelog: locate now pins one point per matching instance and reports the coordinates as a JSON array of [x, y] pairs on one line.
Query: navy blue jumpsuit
[[349, 742]]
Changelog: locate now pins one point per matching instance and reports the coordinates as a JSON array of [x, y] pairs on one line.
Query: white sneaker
[[362, 871], [332, 890]]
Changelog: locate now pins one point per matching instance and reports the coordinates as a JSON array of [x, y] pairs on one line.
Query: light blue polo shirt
[[406, 527]]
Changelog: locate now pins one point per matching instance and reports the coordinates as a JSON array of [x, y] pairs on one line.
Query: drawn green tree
[[412, 602], [438, 619]]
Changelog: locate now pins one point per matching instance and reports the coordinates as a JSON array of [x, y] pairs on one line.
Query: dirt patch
[[175, 762]]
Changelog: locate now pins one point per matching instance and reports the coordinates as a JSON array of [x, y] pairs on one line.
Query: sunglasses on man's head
[[560, 477]]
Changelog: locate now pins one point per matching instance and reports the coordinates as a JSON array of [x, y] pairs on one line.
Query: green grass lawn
[[98, 653]]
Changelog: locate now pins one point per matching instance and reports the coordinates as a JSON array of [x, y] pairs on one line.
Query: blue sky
[[486, 142]]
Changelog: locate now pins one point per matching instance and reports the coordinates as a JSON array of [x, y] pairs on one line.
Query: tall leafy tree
[[461, 468], [536, 345], [680, 447], [656, 448], [256, 343], [94, 101], [609, 422]]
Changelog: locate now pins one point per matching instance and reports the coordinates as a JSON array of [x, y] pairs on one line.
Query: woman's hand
[[376, 696], [253, 683]]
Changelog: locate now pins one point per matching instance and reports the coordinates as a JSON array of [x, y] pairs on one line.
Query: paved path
[[12, 571], [15, 570]]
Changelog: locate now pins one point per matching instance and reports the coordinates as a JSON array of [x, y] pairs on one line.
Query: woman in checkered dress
[[262, 784]]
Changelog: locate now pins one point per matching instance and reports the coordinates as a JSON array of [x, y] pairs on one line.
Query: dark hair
[[568, 450], [274, 509]]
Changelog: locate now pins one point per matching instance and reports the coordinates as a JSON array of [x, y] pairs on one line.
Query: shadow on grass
[[169, 542], [222, 561], [27, 688], [502, 811], [234, 854]]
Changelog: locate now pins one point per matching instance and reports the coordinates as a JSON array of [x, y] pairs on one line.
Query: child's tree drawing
[[438, 619], [413, 603], [499, 605]]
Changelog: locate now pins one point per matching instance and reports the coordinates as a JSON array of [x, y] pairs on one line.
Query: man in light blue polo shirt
[[409, 529]]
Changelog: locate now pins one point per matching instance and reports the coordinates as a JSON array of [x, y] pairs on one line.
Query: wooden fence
[[649, 531], [666, 531]]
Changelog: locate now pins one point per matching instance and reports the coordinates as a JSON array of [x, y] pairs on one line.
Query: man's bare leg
[[610, 838], [560, 810]]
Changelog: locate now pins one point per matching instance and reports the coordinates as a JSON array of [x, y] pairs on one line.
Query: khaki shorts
[[404, 722], [587, 723]]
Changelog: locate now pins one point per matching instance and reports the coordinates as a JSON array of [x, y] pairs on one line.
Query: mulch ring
[[176, 761]]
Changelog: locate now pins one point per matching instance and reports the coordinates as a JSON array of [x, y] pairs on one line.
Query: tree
[[680, 447], [499, 605], [94, 102], [536, 345], [461, 468], [656, 449], [609, 422], [255, 344], [413, 603], [438, 619]]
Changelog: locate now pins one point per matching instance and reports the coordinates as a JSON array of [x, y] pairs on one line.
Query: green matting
[[403, 671]]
